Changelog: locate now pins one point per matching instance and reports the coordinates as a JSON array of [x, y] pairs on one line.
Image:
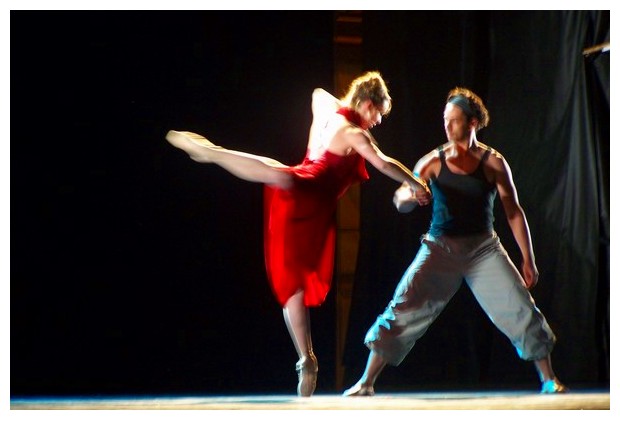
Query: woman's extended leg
[[297, 319], [249, 167]]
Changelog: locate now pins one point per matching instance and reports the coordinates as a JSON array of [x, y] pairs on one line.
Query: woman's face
[[371, 114]]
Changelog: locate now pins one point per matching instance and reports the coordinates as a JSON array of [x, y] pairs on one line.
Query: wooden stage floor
[[444, 410], [496, 400]]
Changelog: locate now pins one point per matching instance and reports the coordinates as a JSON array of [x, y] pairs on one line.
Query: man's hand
[[530, 274], [407, 198], [423, 196]]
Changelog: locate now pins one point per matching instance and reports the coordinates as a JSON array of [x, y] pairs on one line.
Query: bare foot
[[198, 147], [553, 386], [359, 390]]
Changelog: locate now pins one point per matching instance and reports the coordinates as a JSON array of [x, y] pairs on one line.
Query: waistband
[[462, 245]]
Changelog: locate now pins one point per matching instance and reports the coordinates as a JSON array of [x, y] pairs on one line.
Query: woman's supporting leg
[[249, 167], [297, 319]]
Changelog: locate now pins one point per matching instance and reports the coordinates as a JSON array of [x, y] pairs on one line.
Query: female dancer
[[301, 200]]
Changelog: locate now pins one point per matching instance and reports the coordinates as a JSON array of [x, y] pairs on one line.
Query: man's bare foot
[[359, 390], [553, 386], [198, 147]]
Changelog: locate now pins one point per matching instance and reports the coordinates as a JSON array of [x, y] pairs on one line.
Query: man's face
[[455, 123]]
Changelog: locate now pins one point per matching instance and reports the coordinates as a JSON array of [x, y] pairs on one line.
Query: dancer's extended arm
[[366, 146]]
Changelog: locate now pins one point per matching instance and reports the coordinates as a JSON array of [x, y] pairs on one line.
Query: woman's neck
[[351, 115]]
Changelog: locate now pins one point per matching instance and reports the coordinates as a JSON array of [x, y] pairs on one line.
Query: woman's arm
[[364, 144], [323, 103]]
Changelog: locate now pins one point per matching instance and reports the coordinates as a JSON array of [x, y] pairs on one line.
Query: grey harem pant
[[434, 277]]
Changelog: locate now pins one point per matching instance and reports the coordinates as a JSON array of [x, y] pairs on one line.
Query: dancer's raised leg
[[250, 167], [297, 319]]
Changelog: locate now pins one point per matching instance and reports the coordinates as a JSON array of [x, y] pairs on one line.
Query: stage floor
[[496, 400]]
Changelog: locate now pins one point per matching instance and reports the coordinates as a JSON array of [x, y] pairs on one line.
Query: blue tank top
[[462, 204]]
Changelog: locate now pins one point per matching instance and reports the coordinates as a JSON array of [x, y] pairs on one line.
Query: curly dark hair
[[477, 109], [369, 86]]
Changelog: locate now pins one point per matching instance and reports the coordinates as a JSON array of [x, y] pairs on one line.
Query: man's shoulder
[[428, 161], [493, 153], [493, 158], [434, 154]]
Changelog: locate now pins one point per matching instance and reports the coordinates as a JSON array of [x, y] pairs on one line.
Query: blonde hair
[[369, 86]]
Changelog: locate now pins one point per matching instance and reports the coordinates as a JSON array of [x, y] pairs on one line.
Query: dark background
[[135, 270]]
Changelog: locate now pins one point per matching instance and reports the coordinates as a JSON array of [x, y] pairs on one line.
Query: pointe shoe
[[192, 143], [307, 369], [358, 390], [553, 386]]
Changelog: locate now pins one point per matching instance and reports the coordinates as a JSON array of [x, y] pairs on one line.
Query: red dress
[[300, 225]]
